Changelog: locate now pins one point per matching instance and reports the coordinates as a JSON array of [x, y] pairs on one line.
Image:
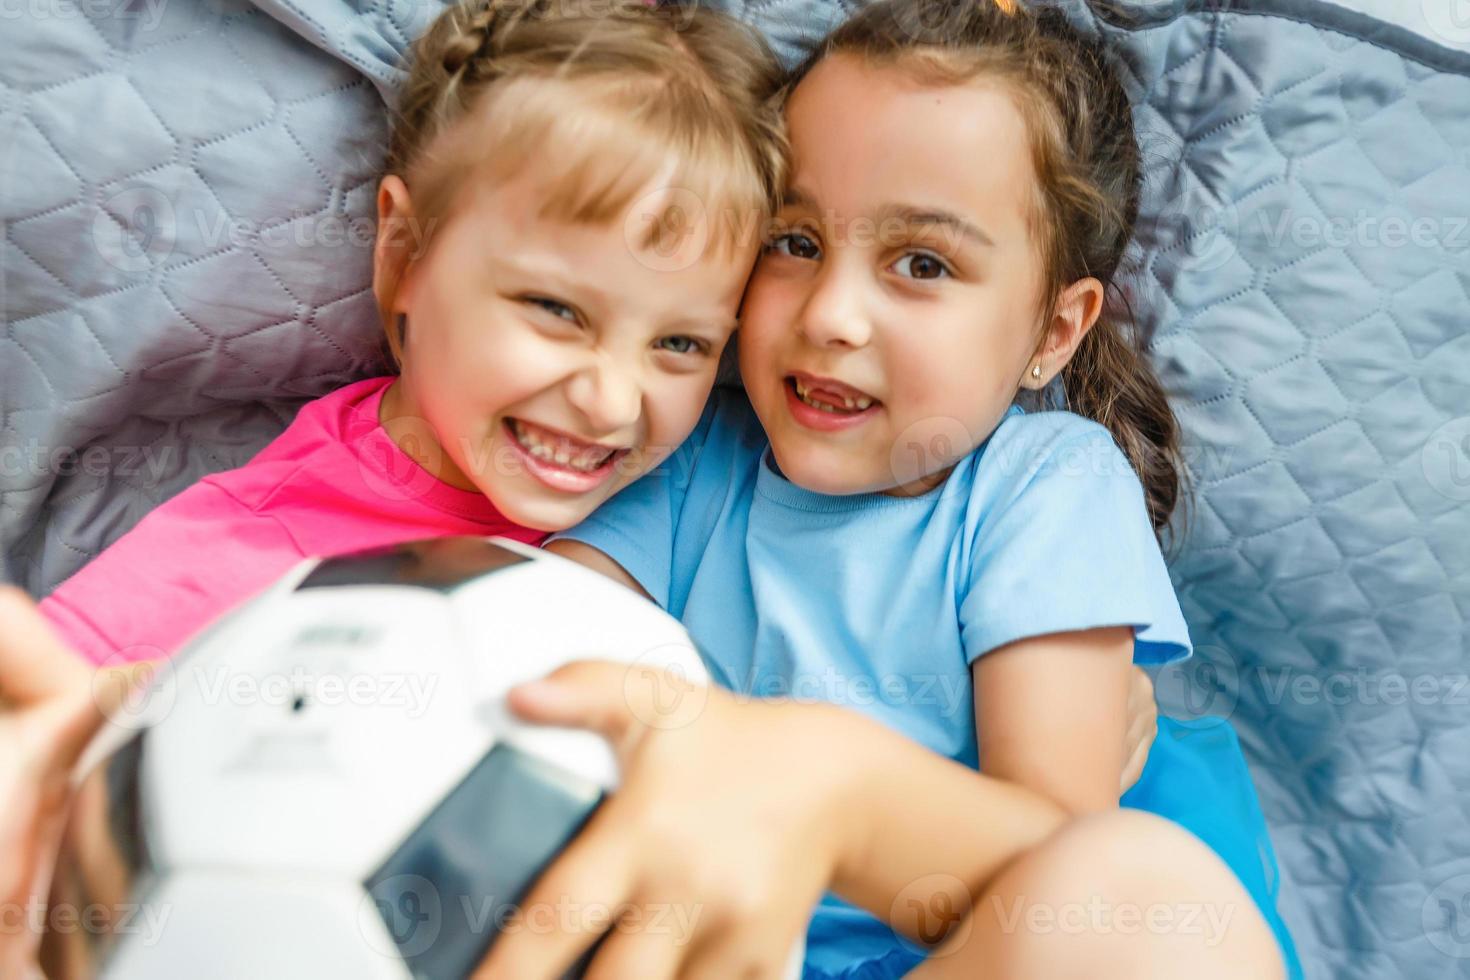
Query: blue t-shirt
[[882, 603]]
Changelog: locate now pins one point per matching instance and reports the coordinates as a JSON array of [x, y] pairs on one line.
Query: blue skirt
[[1195, 776]]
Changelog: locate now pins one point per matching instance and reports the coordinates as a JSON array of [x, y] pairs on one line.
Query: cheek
[[673, 409], [767, 319], [952, 368]]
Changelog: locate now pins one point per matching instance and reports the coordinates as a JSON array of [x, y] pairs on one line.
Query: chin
[[543, 513], [821, 473]]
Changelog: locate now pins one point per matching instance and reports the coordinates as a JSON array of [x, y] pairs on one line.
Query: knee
[[1122, 894]]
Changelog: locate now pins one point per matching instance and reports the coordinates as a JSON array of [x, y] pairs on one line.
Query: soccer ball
[[327, 782]]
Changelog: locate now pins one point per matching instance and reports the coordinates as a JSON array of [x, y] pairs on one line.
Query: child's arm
[[186, 562], [1051, 714], [597, 560], [50, 704], [732, 823], [1066, 588]]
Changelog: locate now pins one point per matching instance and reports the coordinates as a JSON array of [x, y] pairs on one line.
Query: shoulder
[[1059, 463], [732, 413], [728, 431], [1032, 447], [346, 417]]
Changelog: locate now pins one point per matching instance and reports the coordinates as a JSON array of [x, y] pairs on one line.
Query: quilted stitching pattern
[[1319, 361], [175, 266], [1314, 375], [1321, 383]]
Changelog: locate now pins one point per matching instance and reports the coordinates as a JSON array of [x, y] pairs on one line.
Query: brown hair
[[602, 97], [1086, 158]]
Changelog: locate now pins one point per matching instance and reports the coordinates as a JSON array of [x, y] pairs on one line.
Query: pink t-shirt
[[333, 482]]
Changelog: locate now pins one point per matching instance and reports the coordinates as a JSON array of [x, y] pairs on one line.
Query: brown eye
[[921, 265], [796, 245]]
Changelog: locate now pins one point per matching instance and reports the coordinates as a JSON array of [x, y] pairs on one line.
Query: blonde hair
[[603, 97]]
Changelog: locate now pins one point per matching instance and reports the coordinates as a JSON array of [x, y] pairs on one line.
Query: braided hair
[[598, 99]]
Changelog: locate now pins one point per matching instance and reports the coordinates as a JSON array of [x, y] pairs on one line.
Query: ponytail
[[1109, 381]]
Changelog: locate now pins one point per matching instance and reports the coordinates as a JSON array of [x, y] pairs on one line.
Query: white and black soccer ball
[[327, 783]]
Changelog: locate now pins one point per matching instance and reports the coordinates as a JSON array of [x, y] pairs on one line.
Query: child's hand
[[49, 708], [1143, 725], [710, 857]]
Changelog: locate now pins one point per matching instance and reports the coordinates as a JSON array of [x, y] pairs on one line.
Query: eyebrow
[[908, 213], [575, 289], [698, 325], [936, 216]]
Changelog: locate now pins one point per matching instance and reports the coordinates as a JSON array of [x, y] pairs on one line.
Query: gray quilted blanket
[[185, 202]]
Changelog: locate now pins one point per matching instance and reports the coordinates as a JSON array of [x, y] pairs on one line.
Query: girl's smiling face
[[548, 363], [887, 327]]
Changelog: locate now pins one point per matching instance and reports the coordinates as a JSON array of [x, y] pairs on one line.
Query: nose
[[608, 395], [833, 315]]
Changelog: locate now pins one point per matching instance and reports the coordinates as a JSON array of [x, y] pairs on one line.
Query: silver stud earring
[[1036, 371]]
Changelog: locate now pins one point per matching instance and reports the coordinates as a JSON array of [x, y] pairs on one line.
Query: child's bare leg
[[1123, 894]]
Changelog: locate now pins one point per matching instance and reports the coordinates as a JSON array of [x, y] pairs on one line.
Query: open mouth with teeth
[[827, 405], [560, 460], [824, 400]]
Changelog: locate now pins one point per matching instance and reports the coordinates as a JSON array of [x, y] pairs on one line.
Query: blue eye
[[922, 265], [556, 309], [680, 345], [796, 245]]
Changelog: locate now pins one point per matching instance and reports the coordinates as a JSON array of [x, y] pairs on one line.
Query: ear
[[1076, 312], [397, 237]]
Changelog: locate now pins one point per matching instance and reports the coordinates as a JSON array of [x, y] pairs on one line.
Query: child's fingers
[[641, 950], [590, 694], [739, 953], [567, 910], [34, 663]]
